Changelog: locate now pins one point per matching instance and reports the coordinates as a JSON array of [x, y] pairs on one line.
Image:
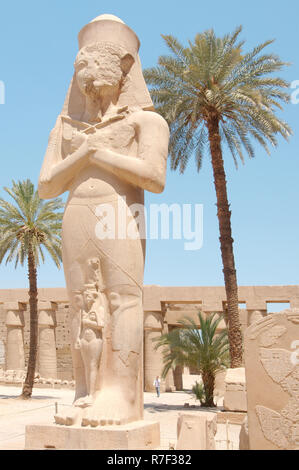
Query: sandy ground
[[15, 414]]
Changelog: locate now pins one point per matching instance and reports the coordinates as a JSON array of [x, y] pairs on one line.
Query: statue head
[[90, 296], [107, 58], [100, 67]]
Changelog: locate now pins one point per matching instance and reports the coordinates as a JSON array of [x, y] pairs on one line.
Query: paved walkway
[[16, 413]]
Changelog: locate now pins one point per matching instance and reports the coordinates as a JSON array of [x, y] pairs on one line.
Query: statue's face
[[97, 67], [90, 297]]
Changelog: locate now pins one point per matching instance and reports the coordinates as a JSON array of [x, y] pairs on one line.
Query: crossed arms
[[147, 171]]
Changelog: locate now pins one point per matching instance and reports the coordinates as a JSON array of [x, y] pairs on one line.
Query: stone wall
[[2, 336], [2, 353], [163, 308], [62, 339]]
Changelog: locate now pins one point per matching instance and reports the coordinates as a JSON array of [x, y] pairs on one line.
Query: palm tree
[[26, 228], [213, 93], [205, 349]]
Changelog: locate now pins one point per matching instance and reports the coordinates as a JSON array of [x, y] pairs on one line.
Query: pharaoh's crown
[[109, 28]]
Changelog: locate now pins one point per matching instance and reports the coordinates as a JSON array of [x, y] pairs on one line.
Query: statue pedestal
[[139, 435]]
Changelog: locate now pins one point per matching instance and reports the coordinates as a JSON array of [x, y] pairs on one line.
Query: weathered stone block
[[196, 431], [272, 375], [235, 390], [140, 435]]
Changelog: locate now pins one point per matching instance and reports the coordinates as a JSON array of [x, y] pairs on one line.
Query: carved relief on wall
[[272, 371]]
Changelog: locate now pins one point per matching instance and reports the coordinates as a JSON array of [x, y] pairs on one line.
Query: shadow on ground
[[154, 407], [36, 397]]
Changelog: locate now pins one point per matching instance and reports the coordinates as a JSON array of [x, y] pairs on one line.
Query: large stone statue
[[106, 148]]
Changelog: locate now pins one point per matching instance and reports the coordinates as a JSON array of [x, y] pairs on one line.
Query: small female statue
[[89, 339]]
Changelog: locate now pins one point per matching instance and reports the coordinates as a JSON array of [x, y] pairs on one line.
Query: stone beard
[[107, 142]]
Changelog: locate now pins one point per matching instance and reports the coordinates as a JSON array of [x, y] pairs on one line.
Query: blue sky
[[38, 45]]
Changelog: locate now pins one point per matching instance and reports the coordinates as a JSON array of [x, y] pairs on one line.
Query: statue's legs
[[91, 350], [119, 396], [72, 415], [120, 399], [77, 359]]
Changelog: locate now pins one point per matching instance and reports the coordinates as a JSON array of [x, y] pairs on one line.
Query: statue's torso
[[92, 182]]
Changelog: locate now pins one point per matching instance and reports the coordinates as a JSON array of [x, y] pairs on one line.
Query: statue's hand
[[77, 140], [77, 344], [45, 178], [87, 146], [101, 154]]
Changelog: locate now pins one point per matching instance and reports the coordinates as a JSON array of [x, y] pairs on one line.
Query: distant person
[[157, 384]]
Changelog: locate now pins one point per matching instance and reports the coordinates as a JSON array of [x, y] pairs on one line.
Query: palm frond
[[29, 224], [203, 347], [213, 76]]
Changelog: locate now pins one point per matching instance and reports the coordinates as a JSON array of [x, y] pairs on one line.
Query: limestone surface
[[197, 432], [235, 390], [272, 375], [107, 147]]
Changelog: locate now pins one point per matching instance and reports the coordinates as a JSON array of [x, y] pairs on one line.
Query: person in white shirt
[[157, 385]]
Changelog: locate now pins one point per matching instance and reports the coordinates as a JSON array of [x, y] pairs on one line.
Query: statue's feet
[[83, 402], [110, 408], [69, 417]]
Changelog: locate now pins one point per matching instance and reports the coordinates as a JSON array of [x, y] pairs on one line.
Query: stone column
[[243, 316], [15, 356], [2, 354], [169, 382], [47, 359], [153, 363]]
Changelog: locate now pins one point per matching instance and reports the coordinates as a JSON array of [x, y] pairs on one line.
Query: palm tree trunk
[[28, 384], [208, 380], [226, 244]]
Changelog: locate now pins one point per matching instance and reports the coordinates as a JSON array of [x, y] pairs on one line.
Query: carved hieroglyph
[[107, 147], [272, 375]]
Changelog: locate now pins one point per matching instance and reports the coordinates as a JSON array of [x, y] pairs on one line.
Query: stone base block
[[244, 436], [219, 386], [139, 435], [235, 398], [196, 431], [231, 417]]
